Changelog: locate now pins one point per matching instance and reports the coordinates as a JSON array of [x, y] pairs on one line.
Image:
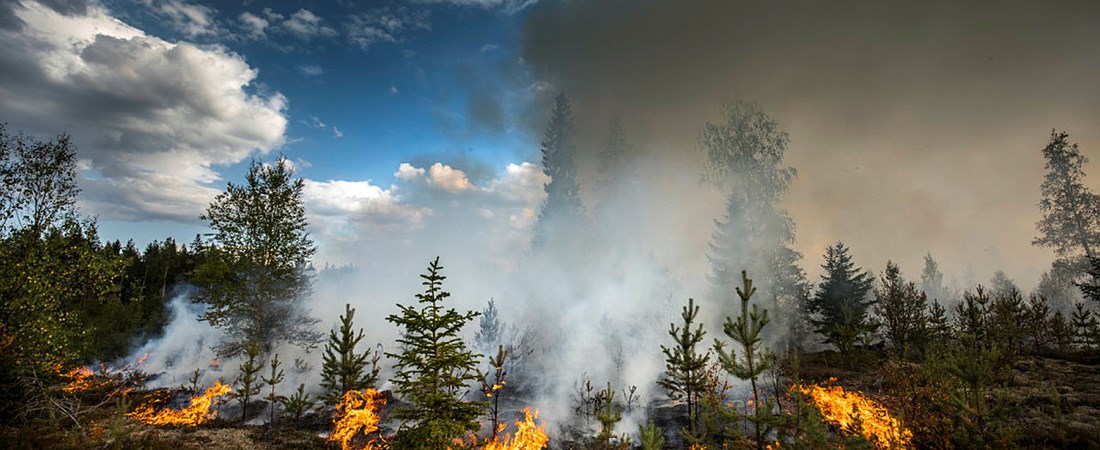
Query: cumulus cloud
[[254, 25], [448, 178], [406, 172], [151, 117]]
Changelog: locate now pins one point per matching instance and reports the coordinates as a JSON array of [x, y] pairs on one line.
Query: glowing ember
[[356, 412], [528, 435], [196, 414], [844, 409]]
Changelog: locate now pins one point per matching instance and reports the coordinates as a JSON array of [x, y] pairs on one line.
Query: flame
[[196, 414], [82, 379], [842, 408], [356, 411], [528, 435], [697, 447]]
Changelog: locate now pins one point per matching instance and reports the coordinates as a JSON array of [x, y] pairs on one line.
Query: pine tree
[[939, 328], [901, 307], [685, 369], [650, 436], [493, 385], [972, 315], [248, 382], [1061, 331], [608, 413], [272, 381], [1084, 325], [841, 303], [1071, 220], [1091, 289], [433, 369], [755, 359], [1036, 323], [563, 206], [343, 368], [298, 403], [255, 272], [1007, 316]]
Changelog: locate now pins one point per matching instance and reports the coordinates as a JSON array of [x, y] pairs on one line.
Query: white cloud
[[406, 172], [193, 20], [509, 6], [489, 48], [521, 183], [337, 133], [152, 117], [254, 25], [384, 25], [316, 122], [393, 90], [343, 210], [448, 178], [307, 25]]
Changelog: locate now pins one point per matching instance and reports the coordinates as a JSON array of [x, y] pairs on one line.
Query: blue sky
[[168, 100]]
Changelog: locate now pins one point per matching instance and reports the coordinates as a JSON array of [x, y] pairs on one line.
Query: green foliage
[[273, 380], [841, 303], [343, 368], [900, 307], [754, 360], [248, 381], [609, 413], [433, 369], [255, 272], [1085, 327], [650, 437], [493, 386], [685, 369], [298, 403]]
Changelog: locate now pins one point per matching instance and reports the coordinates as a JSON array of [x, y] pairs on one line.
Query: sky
[[915, 127]]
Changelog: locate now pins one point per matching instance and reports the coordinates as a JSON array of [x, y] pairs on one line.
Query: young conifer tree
[[249, 382], [273, 380], [685, 369], [746, 331], [343, 368], [433, 369]]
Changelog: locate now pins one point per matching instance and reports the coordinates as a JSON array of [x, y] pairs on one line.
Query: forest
[[764, 357]]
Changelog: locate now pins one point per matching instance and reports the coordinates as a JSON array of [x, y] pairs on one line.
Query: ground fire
[[194, 415], [849, 410], [528, 435], [357, 412]]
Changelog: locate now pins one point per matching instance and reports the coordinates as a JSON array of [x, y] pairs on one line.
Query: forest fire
[[81, 379], [196, 414], [851, 410], [357, 411], [528, 436]]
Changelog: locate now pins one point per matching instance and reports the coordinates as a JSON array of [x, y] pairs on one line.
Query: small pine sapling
[[746, 331], [248, 382], [344, 369], [273, 380], [297, 404], [492, 385], [685, 369]]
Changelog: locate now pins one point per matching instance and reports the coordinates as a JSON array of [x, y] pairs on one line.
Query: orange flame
[[528, 435], [844, 409], [357, 411], [196, 414], [82, 379]]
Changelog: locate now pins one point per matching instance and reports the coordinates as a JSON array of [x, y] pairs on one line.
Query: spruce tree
[[900, 306], [685, 369], [248, 381], [755, 359], [433, 369], [343, 368], [272, 381], [563, 206], [841, 303]]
